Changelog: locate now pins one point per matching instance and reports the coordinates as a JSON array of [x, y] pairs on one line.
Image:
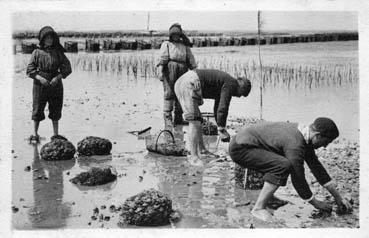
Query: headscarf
[[48, 30], [176, 29]]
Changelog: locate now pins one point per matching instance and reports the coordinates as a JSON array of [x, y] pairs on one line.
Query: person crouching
[[278, 150]]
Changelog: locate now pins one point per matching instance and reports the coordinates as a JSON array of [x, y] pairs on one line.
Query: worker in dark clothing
[[47, 67], [195, 85], [279, 149]]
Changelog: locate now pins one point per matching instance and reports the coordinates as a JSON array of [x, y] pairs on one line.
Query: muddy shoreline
[[110, 105]]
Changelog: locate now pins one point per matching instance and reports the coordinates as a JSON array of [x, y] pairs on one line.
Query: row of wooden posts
[[94, 45]]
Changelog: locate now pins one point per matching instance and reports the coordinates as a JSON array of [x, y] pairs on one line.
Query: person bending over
[[195, 85], [280, 149]]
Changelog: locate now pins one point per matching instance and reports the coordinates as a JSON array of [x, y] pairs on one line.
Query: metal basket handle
[[157, 138]]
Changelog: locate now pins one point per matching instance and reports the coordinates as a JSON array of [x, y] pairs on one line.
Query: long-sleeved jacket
[[48, 64], [286, 140], [177, 52], [218, 85]]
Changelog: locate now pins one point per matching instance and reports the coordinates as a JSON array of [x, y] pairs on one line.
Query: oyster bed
[[92, 145], [58, 149], [148, 208], [95, 176]]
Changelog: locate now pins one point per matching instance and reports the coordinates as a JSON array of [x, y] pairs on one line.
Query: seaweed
[[58, 149], [92, 145], [95, 176], [148, 208]]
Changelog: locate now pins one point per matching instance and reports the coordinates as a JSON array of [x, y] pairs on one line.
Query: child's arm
[[32, 65], [65, 70], [65, 67], [32, 69]]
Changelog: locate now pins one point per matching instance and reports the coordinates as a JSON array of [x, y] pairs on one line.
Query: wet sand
[[110, 105]]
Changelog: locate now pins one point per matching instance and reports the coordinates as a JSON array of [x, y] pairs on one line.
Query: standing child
[[47, 67], [175, 59]]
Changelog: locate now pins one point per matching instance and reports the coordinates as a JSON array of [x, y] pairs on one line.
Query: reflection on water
[[206, 197], [49, 210], [110, 105], [87, 162]]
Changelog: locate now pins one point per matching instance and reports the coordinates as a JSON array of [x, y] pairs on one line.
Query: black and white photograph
[[170, 118]]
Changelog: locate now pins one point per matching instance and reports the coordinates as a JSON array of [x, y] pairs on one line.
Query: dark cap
[[326, 127], [245, 85]]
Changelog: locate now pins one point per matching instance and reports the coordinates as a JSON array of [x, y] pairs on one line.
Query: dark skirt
[[172, 73]]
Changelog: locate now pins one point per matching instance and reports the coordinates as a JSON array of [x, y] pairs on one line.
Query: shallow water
[[110, 105]]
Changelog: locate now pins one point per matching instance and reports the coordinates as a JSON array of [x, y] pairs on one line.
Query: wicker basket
[[171, 147]]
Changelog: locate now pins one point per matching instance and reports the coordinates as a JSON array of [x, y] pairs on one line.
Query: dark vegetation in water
[[58, 149], [148, 208], [95, 176], [92, 145]]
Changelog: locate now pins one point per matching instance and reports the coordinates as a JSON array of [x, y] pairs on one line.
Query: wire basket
[[208, 127], [169, 145]]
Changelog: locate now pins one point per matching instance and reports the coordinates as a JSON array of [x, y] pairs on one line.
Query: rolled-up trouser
[[51, 95], [188, 96], [275, 168], [175, 70]]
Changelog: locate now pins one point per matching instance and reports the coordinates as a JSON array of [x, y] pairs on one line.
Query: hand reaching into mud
[[322, 206], [344, 204], [344, 207]]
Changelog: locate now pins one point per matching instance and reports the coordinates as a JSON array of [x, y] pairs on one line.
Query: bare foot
[[195, 161], [262, 214], [275, 203]]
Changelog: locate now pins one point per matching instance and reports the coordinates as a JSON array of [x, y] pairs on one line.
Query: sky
[[190, 20]]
